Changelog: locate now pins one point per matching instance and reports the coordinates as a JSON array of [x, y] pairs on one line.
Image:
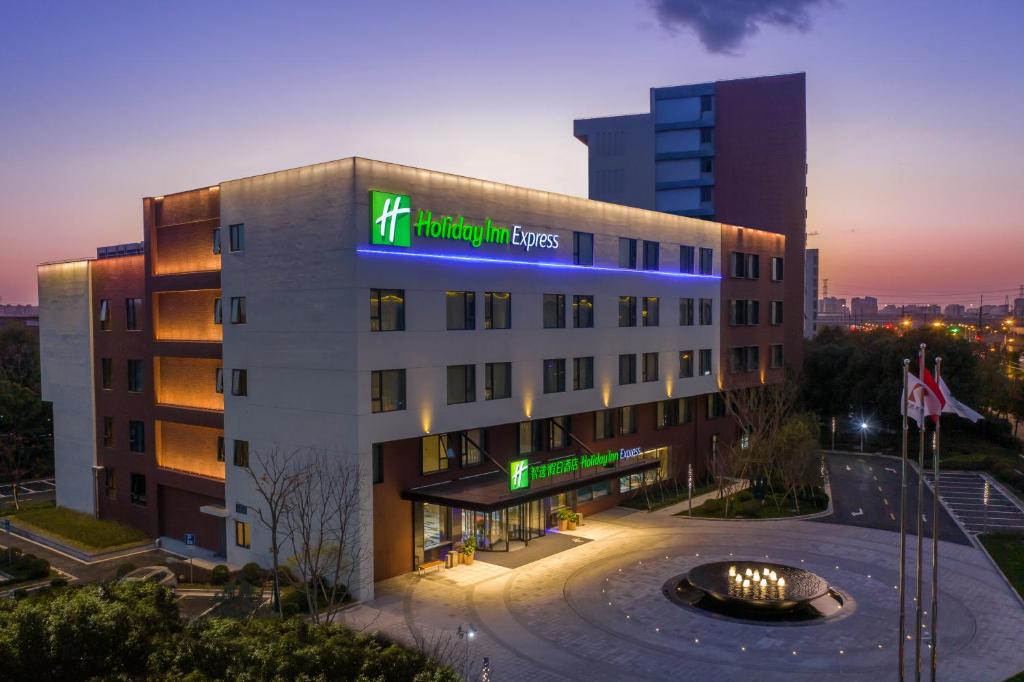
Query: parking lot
[[978, 505], [38, 489]]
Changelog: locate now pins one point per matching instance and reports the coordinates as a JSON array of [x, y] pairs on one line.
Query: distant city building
[[831, 305], [811, 272], [954, 311], [19, 316], [864, 307], [890, 310], [1018, 310]]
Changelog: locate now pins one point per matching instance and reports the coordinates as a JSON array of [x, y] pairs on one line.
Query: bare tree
[[276, 475], [323, 525]]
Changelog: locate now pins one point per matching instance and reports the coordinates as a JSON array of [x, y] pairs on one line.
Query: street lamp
[[466, 634], [863, 430]]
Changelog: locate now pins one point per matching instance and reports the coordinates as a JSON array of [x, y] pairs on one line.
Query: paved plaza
[[597, 612]]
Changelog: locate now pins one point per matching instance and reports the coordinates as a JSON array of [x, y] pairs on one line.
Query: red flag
[[925, 399]]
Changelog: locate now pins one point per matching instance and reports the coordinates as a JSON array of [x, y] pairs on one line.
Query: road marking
[[885, 502], [848, 468], [874, 477], [924, 517], [892, 516], [879, 488], [890, 469], [859, 512]]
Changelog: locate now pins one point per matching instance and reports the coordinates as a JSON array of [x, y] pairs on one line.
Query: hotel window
[[109, 484], [737, 265], [218, 311], [461, 309], [668, 413], [652, 253], [706, 102], [776, 312], [236, 237], [107, 373], [240, 453], [239, 382], [554, 375], [469, 443], [582, 311], [744, 312], [387, 390], [716, 405], [707, 259], [707, 165], [775, 355], [582, 248], [627, 311], [706, 317], [593, 492], [650, 366], [627, 253], [434, 454], [604, 424], [753, 266], [704, 362], [707, 135], [531, 437], [627, 420], [238, 310], [686, 259], [753, 358], [778, 268], [136, 436], [744, 359], [135, 376], [554, 311], [216, 240], [138, 490], [461, 384], [497, 310], [497, 380], [387, 310], [685, 364], [649, 313], [377, 457], [132, 307], [627, 369], [105, 314], [219, 380], [686, 312], [220, 448], [745, 265], [706, 195], [108, 432], [243, 534], [558, 428], [582, 373]]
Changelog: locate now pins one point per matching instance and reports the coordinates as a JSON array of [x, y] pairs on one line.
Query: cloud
[[723, 25]]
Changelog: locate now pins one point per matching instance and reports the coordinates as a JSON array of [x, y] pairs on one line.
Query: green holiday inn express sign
[[521, 472], [391, 224]]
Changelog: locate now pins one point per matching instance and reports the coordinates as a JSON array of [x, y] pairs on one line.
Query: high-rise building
[[864, 308], [811, 278], [732, 151], [954, 311], [481, 355]]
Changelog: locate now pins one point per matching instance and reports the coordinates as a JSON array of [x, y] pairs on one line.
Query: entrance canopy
[[491, 491]]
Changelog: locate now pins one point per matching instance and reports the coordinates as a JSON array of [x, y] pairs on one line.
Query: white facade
[[65, 341], [309, 351]]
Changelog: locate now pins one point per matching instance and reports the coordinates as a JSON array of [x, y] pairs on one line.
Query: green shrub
[[220, 574], [293, 600], [125, 568], [252, 573], [711, 506], [59, 582]]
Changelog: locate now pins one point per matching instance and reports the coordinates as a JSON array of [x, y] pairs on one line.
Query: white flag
[[924, 401], [954, 406]]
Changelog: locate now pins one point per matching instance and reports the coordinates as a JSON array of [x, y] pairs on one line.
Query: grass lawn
[[1008, 551], [742, 505], [638, 501], [78, 529], [9, 510]]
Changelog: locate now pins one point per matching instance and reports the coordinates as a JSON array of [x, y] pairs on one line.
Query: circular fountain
[[756, 590]]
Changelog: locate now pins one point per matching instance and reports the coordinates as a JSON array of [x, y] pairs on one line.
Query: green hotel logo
[[519, 474], [389, 219]]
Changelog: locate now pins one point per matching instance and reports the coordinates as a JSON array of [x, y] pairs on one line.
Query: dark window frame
[[379, 310], [582, 248], [377, 384], [489, 308], [556, 304]]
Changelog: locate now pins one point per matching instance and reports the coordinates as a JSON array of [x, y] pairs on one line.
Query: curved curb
[[802, 517]]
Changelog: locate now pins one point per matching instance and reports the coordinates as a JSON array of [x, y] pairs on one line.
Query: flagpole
[[935, 530], [903, 525], [920, 526]]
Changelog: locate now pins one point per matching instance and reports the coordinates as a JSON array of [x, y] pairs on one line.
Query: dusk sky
[[915, 113]]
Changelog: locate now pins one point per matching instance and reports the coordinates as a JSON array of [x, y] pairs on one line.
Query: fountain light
[[757, 577], [746, 583], [732, 571], [764, 583], [747, 573], [739, 579], [782, 582]]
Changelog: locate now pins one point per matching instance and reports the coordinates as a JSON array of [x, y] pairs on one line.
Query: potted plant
[[468, 550], [574, 519], [563, 518]]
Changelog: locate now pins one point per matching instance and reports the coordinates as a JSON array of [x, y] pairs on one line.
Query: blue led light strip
[[560, 266]]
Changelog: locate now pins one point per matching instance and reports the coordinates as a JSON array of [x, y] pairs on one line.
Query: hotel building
[[483, 355]]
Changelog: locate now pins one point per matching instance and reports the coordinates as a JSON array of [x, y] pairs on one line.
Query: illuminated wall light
[[668, 387], [606, 394], [528, 405]]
